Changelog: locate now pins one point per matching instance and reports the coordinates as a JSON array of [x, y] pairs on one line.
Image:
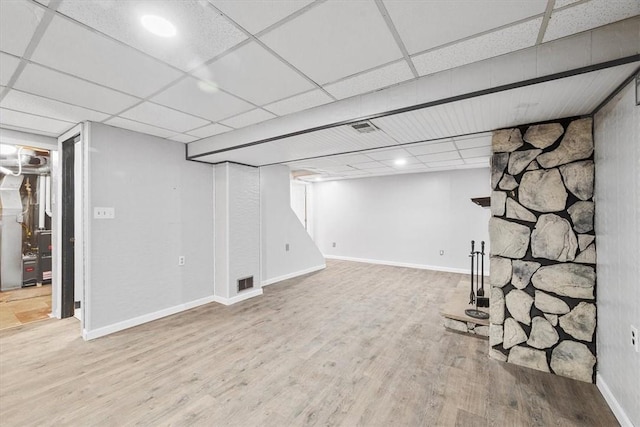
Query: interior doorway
[[25, 234]]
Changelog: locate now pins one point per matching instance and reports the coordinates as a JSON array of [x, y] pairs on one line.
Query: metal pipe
[[472, 295], [41, 200], [47, 195]]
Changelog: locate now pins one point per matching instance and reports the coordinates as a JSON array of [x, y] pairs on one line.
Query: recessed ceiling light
[[158, 26], [7, 149], [318, 178], [400, 162]]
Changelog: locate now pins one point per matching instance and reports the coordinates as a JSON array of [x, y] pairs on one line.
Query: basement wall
[[287, 249], [617, 157], [403, 219], [163, 209]]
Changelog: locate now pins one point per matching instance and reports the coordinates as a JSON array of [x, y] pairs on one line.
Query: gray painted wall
[[281, 226], [163, 209], [617, 159], [404, 219], [237, 223]]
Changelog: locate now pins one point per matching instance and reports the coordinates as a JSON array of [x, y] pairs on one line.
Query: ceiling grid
[[235, 65]]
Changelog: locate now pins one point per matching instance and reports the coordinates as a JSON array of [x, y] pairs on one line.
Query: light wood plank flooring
[[355, 344], [25, 305]]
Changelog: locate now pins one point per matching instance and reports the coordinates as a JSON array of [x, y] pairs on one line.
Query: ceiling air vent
[[364, 127]]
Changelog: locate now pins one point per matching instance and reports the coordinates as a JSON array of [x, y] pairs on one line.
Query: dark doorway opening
[[68, 227]]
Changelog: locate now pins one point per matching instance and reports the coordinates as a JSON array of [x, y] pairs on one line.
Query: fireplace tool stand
[[477, 293]]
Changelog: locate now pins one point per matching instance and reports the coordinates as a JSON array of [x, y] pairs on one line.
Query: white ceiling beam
[[603, 44]]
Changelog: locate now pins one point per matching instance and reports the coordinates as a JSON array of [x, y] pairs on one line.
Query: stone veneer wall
[[543, 255]]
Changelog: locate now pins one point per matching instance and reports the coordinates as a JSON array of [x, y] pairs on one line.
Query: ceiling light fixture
[[400, 162], [158, 25]]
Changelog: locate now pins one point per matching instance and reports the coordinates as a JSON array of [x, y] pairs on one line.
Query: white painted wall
[[403, 219], [244, 225], [617, 197], [281, 226], [163, 209], [298, 201], [237, 224]]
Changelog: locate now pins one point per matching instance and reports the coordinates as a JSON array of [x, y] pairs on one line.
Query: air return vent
[[245, 283], [364, 127]]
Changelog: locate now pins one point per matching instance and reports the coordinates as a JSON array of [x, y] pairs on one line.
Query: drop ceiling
[[235, 65]]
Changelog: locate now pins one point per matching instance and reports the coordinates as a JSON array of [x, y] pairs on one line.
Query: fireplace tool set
[[477, 291]]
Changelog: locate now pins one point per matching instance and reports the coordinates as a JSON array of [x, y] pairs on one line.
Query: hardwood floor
[[26, 305], [355, 344]]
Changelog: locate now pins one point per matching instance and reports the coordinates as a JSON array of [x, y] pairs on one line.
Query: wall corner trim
[[241, 297], [145, 318], [401, 264], [611, 400], [294, 274]]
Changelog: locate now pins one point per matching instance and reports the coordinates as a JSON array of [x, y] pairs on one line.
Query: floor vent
[[245, 283]]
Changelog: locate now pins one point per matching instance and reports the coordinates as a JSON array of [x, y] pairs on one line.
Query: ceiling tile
[[201, 99], [44, 2], [21, 101], [382, 170], [51, 84], [476, 152], [438, 157], [350, 159], [408, 162], [371, 80], [202, 33], [19, 119], [246, 119], [586, 16], [71, 48], [431, 147], [411, 165], [445, 163], [424, 25], [562, 3], [389, 154], [139, 127], [368, 165], [8, 66], [299, 102], [181, 137], [166, 118], [473, 141], [18, 22], [477, 160], [253, 73], [209, 130], [256, 15], [335, 39], [478, 48]]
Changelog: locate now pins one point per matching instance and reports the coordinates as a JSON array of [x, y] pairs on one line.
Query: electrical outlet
[[441, 252], [286, 247], [181, 260], [334, 244], [104, 213], [634, 338]]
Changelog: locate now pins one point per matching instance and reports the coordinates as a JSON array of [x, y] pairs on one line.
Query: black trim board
[[524, 83], [617, 90]]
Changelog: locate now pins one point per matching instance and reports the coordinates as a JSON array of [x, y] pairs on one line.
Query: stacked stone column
[[543, 255]]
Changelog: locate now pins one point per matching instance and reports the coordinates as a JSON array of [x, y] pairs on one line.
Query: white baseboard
[[400, 264], [622, 417], [130, 323], [294, 274], [243, 296]]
